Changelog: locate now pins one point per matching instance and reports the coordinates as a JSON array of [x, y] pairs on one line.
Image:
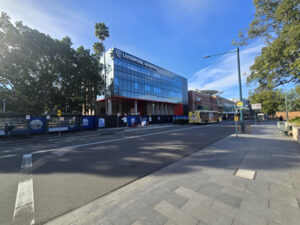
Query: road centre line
[[108, 129], [8, 156], [94, 134], [69, 148], [100, 142], [24, 205]]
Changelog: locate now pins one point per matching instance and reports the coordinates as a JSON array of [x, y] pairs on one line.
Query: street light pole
[[240, 88], [105, 100], [286, 107], [4, 105], [210, 102], [240, 81]]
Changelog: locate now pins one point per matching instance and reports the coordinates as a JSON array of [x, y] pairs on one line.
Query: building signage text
[[124, 55]]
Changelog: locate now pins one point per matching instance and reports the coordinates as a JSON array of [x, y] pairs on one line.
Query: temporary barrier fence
[[30, 125]]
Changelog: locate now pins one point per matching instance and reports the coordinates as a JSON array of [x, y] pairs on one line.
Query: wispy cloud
[[222, 75], [50, 19]]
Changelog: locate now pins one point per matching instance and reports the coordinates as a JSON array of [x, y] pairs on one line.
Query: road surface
[[42, 178]]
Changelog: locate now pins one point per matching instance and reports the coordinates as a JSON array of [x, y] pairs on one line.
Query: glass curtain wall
[[135, 81]]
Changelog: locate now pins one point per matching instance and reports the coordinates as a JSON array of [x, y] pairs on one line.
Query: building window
[[116, 81], [136, 85], [157, 90], [156, 75], [198, 99], [147, 87]]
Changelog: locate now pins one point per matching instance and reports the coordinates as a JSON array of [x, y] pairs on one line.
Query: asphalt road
[[42, 178]]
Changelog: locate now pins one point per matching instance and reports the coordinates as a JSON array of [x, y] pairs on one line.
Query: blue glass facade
[[131, 77], [135, 80]]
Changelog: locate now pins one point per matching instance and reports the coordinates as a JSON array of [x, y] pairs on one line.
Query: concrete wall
[[296, 133], [291, 115]]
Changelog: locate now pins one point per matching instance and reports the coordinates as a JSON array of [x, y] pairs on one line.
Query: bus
[[205, 116]]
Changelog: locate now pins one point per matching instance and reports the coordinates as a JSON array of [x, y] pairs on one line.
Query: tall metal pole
[[286, 108], [105, 100], [240, 88], [210, 102], [4, 105], [236, 126], [59, 126]]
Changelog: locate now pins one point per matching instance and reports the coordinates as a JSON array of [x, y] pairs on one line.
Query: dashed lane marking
[[24, 206]]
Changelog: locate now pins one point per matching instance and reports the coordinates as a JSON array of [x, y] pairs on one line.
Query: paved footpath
[[207, 187]]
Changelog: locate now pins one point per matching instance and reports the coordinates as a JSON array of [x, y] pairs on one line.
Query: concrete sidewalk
[[204, 188]]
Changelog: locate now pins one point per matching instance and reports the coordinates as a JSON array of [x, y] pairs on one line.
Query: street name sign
[[256, 106]]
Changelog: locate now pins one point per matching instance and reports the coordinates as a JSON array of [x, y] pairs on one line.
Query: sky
[[173, 34]]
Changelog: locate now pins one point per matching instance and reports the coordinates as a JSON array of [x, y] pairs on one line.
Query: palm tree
[[101, 32]]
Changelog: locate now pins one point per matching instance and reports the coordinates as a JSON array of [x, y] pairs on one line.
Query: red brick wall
[[291, 115], [206, 101]]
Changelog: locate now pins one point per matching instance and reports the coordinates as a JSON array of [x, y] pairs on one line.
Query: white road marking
[[24, 196], [26, 162], [8, 156], [24, 206], [61, 151], [100, 142]]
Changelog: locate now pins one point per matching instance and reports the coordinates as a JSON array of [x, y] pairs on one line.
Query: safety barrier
[[31, 125]]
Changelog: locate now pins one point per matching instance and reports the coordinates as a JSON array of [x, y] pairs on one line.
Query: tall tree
[[89, 79], [27, 67], [270, 100], [293, 99], [278, 23], [39, 74], [101, 32]]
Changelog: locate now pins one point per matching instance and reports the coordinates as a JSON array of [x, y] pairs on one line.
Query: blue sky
[[174, 34]]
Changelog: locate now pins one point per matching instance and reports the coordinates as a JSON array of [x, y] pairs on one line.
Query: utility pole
[[286, 108], [105, 100], [240, 81], [4, 105], [240, 88]]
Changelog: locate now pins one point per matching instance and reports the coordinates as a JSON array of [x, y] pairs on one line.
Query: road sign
[[256, 106], [58, 112], [239, 105]]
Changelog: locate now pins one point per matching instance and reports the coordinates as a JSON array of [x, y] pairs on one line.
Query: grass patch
[[295, 120]]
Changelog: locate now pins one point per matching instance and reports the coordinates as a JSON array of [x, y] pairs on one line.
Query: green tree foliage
[[271, 100], [39, 74], [101, 32], [274, 100], [88, 79], [278, 23], [293, 99]]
